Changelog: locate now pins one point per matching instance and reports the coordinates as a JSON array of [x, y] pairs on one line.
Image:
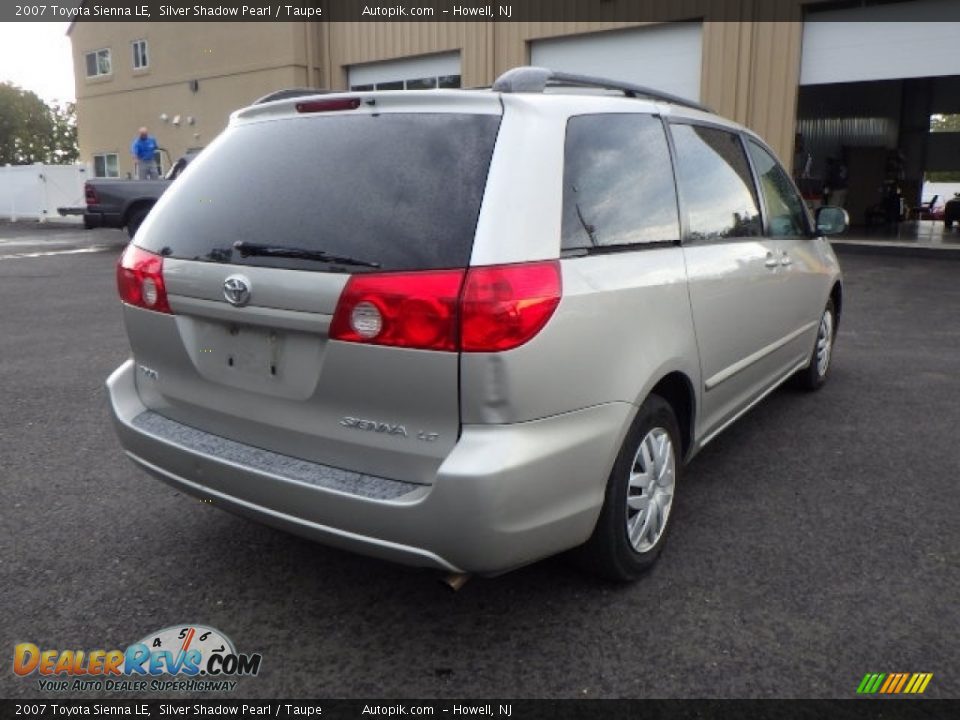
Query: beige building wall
[[750, 70], [232, 64], [750, 73]]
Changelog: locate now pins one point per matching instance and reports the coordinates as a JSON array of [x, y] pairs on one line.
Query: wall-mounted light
[[164, 117], [191, 120], [176, 120]]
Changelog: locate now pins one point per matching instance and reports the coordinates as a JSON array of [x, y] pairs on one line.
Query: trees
[[63, 147], [945, 123], [31, 131]]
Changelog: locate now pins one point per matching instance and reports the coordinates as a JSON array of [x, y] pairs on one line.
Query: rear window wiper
[[247, 249]]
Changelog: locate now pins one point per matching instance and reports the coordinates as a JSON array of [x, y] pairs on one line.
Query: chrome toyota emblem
[[236, 289]]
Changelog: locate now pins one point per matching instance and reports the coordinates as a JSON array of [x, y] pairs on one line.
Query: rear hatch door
[[392, 186]]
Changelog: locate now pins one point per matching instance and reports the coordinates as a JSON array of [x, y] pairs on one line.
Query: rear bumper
[[94, 219], [507, 495]]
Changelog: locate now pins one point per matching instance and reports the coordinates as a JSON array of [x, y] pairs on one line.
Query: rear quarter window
[[400, 190], [618, 187]]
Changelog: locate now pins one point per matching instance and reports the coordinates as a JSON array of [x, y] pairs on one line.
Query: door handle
[[771, 261], [785, 259]]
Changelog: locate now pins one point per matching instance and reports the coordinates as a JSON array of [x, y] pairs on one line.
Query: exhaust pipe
[[455, 581]]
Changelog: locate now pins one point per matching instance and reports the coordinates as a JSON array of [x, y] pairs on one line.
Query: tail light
[[414, 310], [140, 280], [90, 194], [504, 306], [312, 106], [484, 309]]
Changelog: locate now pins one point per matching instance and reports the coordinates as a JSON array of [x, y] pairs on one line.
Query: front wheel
[[815, 374], [634, 520]]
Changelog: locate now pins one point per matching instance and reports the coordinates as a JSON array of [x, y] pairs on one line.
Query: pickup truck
[[116, 203]]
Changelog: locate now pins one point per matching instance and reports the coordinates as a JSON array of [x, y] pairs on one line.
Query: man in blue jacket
[[144, 150]]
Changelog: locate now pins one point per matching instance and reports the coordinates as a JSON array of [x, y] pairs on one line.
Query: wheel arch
[[836, 294], [677, 390]]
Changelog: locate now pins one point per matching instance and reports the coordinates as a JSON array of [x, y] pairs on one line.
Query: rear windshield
[[399, 190]]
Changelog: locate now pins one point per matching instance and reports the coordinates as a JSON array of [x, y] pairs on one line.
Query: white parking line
[[74, 251]]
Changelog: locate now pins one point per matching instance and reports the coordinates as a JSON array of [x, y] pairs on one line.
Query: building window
[[140, 54], [448, 81], [106, 165], [98, 63], [422, 83], [427, 83]]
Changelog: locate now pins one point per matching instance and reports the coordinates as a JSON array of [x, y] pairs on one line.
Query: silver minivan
[[468, 329]]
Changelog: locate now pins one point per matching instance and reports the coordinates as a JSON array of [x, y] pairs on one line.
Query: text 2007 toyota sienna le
[[468, 329]]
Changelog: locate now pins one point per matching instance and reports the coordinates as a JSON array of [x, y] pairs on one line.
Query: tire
[[815, 374], [135, 219], [610, 552]]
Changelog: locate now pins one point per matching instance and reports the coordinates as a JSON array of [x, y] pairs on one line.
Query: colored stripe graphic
[[903, 681], [894, 683], [870, 683]]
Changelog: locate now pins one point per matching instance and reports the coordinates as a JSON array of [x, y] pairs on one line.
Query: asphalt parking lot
[[814, 541]]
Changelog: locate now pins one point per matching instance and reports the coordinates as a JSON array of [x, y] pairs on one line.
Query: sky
[[36, 56]]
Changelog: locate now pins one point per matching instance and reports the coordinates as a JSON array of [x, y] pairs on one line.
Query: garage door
[[665, 57], [868, 44], [412, 73]]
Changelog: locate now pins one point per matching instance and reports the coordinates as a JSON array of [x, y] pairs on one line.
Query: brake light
[[504, 306], [312, 106], [484, 309], [412, 310], [90, 194], [140, 280]]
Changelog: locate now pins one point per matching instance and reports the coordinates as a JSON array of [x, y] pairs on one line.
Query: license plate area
[[251, 350], [283, 363]]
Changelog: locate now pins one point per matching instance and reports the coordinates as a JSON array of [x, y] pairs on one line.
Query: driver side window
[[787, 217]]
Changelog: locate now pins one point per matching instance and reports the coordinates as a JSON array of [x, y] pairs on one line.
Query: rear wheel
[[815, 374], [635, 517], [136, 217]]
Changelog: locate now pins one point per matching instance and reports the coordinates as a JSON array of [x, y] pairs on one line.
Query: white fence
[[34, 192]]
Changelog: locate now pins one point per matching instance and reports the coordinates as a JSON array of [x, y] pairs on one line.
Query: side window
[[98, 63], [140, 61], [617, 182], [715, 184], [787, 217]]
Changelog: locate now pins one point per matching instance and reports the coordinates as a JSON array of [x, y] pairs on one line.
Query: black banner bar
[[859, 709], [473, 10]]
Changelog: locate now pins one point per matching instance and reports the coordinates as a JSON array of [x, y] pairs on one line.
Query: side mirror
[[832, 220]]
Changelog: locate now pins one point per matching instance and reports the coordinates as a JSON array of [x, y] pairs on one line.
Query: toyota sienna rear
[[432, 328]]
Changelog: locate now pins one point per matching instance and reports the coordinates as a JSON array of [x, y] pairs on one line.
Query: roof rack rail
[[288, 93], [531, 79]]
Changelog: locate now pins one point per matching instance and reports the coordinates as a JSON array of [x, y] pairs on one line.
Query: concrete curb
[[856, 247]]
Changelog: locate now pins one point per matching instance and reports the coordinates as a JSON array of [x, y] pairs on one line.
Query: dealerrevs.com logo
[[186, 658]]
